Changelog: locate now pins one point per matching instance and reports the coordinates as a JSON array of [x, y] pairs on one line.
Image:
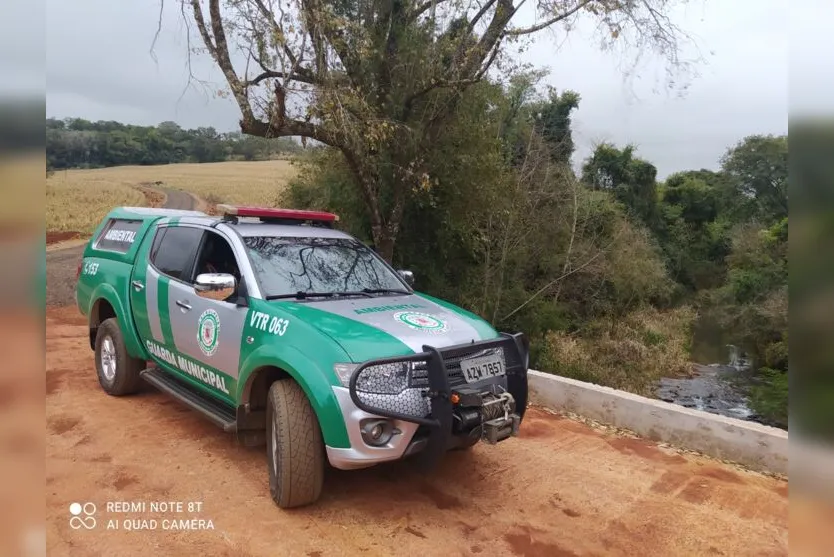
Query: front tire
[[294, 447], [118, 373]]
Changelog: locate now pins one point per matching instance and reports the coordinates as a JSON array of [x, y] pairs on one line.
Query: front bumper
[[439, 410], [360, 454]]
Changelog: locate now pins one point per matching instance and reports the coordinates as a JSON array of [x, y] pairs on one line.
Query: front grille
[[375, 394], [419, 376]]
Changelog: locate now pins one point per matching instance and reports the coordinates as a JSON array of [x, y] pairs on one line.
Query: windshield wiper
[[301, 295], [385, 291]]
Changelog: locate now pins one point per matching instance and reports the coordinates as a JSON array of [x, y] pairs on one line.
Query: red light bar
[[270, 213]]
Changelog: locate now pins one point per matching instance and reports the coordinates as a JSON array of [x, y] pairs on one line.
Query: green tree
[[521, 242], [206, 146], [553, 123], [515, 121], [694, 238], [757, 168], [631, 180], [379, 80]]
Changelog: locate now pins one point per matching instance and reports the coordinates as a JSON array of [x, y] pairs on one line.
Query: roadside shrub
[[646, 344]]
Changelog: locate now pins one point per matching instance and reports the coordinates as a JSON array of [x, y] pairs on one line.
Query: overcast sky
[[99, 66]]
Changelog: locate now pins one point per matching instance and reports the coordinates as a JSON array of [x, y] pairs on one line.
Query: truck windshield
[[305, 267]]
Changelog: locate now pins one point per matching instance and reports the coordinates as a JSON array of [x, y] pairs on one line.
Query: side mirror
[[407, 276], [215, 286]]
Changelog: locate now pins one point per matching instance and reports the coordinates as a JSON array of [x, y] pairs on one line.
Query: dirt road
[[560, 489], [62, 264], [176, 199]]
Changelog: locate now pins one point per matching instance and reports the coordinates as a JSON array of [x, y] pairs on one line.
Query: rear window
[[118, 235]]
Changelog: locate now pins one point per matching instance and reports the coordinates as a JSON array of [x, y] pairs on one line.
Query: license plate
[[483, 367]]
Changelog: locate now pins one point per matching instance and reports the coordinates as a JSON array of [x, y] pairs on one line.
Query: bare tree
[[377, 79]]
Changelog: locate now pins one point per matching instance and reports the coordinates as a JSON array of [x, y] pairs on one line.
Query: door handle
[[138, 285], [184, 304]]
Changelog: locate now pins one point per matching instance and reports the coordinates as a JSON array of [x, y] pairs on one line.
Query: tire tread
[[300, 447], [127, 379]]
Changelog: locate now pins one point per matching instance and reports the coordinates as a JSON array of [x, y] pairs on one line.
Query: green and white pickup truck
[[290, 333]]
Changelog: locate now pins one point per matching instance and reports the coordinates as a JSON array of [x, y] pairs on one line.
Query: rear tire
[[294, 447], [118, 373]]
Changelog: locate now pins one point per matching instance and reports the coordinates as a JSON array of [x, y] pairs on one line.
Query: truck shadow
[[376, 487], [408, 480]]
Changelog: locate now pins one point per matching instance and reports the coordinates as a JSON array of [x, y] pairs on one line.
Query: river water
[[719, 377], [712, 388]]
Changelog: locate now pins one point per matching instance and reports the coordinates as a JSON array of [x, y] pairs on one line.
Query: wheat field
[[76, 200]]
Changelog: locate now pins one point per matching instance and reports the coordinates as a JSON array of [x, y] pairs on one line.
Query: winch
[[499, 419], [490, 416]]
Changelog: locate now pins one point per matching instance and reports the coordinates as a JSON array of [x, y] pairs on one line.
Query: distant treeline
[[79, 143]]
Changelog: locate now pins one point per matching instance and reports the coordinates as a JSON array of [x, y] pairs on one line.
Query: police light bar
[[268, 213]]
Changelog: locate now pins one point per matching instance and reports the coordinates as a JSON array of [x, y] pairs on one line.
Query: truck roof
[[247, 229], [161, 212], [280, 222], [246, 226]]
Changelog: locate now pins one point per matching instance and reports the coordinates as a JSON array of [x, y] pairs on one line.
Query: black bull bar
[[441, 365]]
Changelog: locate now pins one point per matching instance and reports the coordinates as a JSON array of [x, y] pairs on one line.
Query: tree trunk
[[385, 221], [384, 242]]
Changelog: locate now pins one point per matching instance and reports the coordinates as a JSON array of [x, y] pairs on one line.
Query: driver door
[[209, 332]]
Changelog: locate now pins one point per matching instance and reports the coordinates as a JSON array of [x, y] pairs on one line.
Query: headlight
[[386, 379], [344, 371]]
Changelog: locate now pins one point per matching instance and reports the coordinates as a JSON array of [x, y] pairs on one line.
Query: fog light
[[377, 432]]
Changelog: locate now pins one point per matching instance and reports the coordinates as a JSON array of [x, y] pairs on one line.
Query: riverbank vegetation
[[631, 354], [607, 269]]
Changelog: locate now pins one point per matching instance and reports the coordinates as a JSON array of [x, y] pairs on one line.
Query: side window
[[118, 235], [216, 256], [175, 252], [160, 233]]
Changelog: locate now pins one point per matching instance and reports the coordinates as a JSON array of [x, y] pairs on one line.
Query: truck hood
[[386, 326]]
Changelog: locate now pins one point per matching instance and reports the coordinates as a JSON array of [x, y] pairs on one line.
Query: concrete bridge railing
[[754, 445]]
